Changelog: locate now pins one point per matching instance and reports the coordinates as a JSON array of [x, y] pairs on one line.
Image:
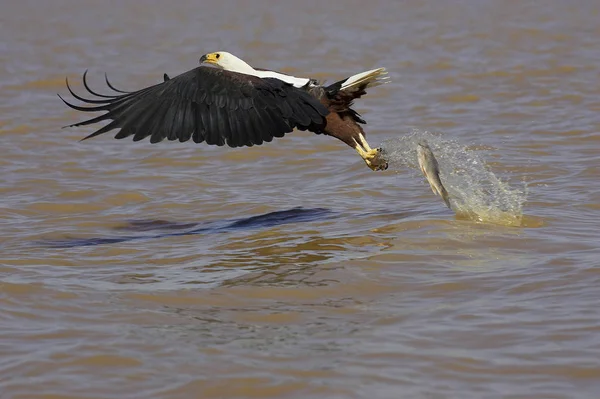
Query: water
[[476, 192], [131, 270]]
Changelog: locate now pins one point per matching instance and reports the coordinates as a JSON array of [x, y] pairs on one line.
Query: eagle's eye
[[218, 56]]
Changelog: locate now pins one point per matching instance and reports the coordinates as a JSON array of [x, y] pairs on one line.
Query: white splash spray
[[476, 193]]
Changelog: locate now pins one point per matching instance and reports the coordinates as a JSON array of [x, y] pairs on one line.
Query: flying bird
[[226, 101]]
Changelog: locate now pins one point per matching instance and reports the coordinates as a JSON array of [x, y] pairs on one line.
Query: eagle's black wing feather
[[207, 105]]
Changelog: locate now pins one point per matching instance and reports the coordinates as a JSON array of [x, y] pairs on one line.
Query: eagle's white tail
[[372, 78]]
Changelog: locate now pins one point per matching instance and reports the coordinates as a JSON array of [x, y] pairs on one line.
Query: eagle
[[224, 100]]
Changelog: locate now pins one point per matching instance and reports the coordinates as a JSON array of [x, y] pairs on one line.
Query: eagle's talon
[[374, 160]]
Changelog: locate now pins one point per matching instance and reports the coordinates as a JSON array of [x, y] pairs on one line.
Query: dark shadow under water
[[165, 228]]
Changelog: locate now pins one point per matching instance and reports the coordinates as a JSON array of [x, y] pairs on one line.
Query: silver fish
[[430, 168]]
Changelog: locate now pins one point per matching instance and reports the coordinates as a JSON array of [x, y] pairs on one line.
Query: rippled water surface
[[131, 270]]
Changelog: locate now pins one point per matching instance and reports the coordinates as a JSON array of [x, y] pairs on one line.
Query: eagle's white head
[[227, 61], [230, 62]]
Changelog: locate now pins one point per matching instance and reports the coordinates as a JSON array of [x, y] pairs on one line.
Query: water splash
[[476, 193]]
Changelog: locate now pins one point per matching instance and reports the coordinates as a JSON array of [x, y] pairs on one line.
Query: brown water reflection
[[383, 295]]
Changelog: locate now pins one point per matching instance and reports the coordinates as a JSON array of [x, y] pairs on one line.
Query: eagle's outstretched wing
[[208, 105]]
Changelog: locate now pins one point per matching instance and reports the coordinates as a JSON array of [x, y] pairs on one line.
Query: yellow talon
[[372, 158]]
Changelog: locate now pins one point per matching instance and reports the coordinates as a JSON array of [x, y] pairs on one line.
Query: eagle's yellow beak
[[210, 58]]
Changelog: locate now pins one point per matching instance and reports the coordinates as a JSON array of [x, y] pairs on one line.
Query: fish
[[430, 168]]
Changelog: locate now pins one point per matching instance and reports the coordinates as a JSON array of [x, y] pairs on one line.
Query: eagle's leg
[[372, 157]]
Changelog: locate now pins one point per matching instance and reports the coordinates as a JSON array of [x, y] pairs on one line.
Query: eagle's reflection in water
[[163, 228]]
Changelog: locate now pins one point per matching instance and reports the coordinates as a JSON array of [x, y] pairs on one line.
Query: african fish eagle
[[226, 101]]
